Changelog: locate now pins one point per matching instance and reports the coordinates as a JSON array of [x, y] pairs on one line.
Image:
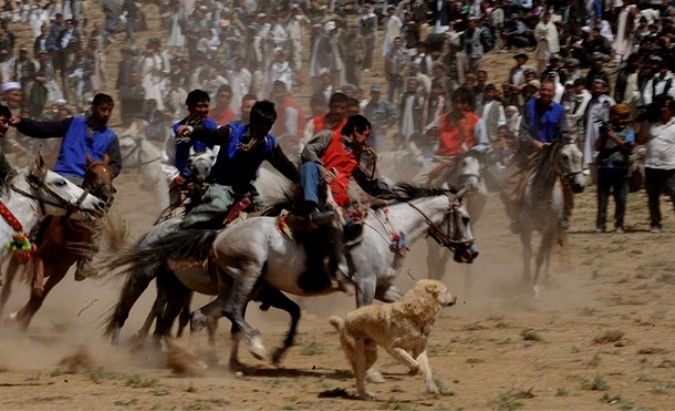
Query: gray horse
[[541, 202], [254, 252]]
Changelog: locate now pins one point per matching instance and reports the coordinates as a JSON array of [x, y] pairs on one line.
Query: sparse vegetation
[[474, 361], [594, 362], [312, 348], [562, 392], [596, 384], [530, 335], [474, 326], [135, 381], [609, 337], [510, 400]]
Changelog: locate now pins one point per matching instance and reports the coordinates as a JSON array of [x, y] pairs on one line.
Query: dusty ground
[[600, 337]]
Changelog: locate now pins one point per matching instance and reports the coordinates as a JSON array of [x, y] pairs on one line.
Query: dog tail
[[337, 322]]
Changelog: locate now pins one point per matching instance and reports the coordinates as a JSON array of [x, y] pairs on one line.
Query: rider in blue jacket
[[243, 148], [82, 137]]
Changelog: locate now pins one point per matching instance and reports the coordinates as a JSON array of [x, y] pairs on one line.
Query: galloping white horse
[[542, 201]]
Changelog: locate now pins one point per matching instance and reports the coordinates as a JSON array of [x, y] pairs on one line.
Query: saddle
[[294, 225]]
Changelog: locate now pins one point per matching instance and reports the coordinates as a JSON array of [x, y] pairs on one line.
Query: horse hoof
[[374, 376], [38, 292], [278, 355], [236, 366], [257, 349]]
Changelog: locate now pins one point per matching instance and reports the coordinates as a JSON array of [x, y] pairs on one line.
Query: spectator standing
[[614, 146], [659, 137]]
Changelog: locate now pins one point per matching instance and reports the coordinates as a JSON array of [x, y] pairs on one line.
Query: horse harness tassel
[[21, 244]]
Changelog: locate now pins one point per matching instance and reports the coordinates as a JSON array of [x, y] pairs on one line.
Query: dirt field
[[600, 337]]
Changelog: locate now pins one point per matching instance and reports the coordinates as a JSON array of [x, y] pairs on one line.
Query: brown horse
[[61, 243]]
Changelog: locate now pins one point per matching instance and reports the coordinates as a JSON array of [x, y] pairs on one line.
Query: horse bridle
[[98, 189], [435, 231], [52, 197]]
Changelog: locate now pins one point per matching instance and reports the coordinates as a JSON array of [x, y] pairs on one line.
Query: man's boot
[[316, 216], [85, 265]]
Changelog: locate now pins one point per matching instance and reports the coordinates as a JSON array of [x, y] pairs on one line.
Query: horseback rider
[[83, 137], [243, 149], [543, 120], [331, 159], [177, 150]]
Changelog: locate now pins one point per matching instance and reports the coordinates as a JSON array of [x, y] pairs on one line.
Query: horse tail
[[337, 322], [143, 260]]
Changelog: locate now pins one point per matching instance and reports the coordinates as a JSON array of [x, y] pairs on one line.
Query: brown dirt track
[[600, 337]]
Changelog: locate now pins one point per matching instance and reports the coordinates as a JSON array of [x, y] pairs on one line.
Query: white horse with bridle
[[34, 193]]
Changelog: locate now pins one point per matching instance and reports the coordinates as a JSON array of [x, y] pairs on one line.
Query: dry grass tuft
[[609, 337]]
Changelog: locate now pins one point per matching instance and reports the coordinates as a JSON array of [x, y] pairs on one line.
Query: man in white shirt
[[597, 112], [659, 139], [493, 113]]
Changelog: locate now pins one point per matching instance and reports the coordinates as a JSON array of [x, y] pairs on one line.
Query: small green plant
[[474, 326], [98, 375], [160, 392], [594, 362], [57, 372], [609, 337], [651, 350], [530, 335], [191, 388], [394, 404], [312, 348], [474, 361], [596, 384], [135, 381], [510, 400], [562, 392]]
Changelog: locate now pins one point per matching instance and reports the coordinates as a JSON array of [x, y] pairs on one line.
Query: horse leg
[[13, 268], [543, 255], [277, 299], [184, 317], [37, 282], [206, 316], [388, 294], [435, 266], [236, 298], [526, 241], [54, 276], [365, 290], [155, 312], [135, 284], [174, 294]]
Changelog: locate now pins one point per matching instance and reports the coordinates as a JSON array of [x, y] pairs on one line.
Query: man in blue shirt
[[243, 148], [177, 150], [82, 137]]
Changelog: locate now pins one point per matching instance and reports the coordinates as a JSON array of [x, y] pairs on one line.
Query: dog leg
[[404, 358], [360, 369], [423, 362]]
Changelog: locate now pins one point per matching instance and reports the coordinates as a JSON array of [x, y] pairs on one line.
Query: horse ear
[[39, 161], [106, 159], [89, 160]]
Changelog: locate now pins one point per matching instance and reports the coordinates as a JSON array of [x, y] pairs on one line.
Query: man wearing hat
[[368, 22], [382, 114], [661, 83], [83, 138], [597, 114], [554, 66], [573, 69]]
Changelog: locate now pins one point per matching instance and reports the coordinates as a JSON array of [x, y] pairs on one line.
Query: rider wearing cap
[[82, 137]]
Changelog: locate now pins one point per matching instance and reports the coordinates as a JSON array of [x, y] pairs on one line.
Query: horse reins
[[435, 231]]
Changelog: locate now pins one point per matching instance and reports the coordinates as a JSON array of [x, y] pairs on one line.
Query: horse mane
[[544, 164], [406, 192]]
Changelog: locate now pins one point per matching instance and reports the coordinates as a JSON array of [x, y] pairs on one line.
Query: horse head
[[98, 179], [199, 164], [466, 172], [455, 231], [58, 196], [570, 162]]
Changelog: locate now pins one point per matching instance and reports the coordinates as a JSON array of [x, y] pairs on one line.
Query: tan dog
[[402, 328]]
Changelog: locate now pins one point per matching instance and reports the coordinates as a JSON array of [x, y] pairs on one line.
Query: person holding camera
[[614, 145], [659, 138]]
